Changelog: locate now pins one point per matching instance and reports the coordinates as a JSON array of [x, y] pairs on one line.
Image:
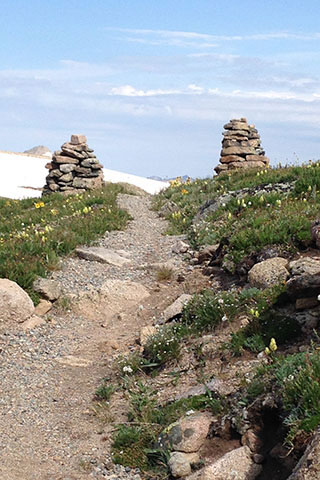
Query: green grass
[[295, 381], [254, 222], [35, 233]]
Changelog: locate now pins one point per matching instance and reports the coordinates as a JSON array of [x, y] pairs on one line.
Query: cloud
[[203, 40]]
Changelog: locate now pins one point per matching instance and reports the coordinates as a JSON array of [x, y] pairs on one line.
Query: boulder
[[234, 465], [305, 265], [180, 463], [268, 273], [189, 433], [49, 289], [15, 303]]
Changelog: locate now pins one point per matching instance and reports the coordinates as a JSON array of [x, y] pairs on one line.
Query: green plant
[[104, 392]]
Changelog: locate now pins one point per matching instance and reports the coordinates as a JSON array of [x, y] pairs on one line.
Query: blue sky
[[151, 83]]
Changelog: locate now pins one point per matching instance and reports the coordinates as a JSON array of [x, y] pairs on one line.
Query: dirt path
[[49, 375]]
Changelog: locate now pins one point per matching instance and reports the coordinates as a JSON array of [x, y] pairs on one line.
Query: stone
[[308, 467], [231, 158], [49, 289], [180, 463], [257, 158], [78, 139], [246, 164], [72, 153], [64, 160], [237, 125], [180, 247], [315, 233], [189, 433], [102, 255], [302, 286], [304, 303], [67, 167], [67, 177], [87, 183], [146, 333], [215, 385], [55, 173], [268, 273], [234, 465], [206, 253], [305, 265], [15, 303], [252, 440], [43, 307], [241, 151], [32, 322], [168, 208], [88, 162], [175, 309]]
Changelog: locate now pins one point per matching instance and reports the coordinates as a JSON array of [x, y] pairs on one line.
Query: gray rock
[[65, 159], [189, 433], [180, 463], [67, 167], [176, 308], [78, 139], [268, 273], [102, 255], [49, 289], [88, 183], [305, 265]]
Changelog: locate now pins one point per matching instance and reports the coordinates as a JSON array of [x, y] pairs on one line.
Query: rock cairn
[[74, 168], [241, 147]]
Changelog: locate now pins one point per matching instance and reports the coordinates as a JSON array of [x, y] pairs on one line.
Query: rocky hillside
[[185, 346]]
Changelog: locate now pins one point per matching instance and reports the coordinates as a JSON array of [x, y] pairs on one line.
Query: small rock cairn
[[241, 147], [74, 168]]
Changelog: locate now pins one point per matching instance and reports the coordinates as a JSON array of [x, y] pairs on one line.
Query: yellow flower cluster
[[39, 205], [272, 347], [176, 183]]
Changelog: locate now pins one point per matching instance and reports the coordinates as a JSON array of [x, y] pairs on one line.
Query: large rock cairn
[[241, 147], [74, 168]]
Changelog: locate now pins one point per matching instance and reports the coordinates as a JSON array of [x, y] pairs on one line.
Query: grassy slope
[[35, 233]]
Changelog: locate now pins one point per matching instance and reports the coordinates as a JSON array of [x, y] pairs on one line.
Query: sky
[[151, 83]]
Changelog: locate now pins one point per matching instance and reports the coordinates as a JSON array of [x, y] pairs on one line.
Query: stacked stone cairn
[[241, 147], [74, 168]]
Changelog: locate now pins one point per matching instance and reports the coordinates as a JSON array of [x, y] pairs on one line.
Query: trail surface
[[49, 375]]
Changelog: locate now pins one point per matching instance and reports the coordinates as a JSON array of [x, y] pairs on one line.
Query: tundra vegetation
[[250, 224]]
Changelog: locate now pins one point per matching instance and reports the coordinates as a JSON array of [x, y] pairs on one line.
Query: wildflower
[[54, 211], [221, 302], [278, 203], [224, 318], [267, 351], [273, 345], [229, 216], [127, 369], [251, 311], [309, 188], [184, 191], [261, 199]]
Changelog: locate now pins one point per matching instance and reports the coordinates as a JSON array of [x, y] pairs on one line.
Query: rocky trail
[[49, 430]]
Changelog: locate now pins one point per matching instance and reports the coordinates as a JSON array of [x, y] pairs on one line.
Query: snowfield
[[23, 176]]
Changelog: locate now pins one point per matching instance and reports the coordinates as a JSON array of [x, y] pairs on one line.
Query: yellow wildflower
[[267, 351], [273, 345]]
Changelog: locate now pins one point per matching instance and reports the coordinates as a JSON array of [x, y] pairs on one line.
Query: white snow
[[19, 171]]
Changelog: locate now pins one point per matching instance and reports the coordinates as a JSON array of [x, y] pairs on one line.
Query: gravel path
[[49, 374]]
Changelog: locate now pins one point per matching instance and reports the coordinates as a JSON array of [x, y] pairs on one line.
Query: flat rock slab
[[175, 309], [103, 255]]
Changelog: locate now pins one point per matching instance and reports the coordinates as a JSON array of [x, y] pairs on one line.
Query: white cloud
[[204, 40]]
